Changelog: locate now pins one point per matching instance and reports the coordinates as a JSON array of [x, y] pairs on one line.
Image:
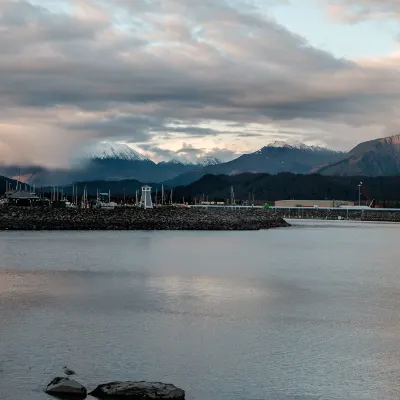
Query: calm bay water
[[308, 312]]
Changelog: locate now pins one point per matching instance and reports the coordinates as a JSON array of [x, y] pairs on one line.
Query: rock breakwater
[[338, 213], [21, 218]]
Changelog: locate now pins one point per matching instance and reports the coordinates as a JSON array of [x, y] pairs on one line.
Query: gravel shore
[[18, 218]]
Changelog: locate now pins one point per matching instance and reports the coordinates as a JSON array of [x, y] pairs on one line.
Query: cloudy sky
[[185, 78]]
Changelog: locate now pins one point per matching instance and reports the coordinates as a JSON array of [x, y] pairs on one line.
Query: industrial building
[[313, 203]]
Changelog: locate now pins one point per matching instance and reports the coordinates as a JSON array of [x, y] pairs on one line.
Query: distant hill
[[379, 157], [263, 186], [117, 188], [274, 158], [290, 186], [4, 181]]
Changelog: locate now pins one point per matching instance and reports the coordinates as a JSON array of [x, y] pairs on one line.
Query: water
[[308, 312]]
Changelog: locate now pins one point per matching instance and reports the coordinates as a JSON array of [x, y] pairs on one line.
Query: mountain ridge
[[273, 158], [377, 157]]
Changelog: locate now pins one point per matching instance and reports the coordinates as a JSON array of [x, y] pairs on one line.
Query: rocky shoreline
[[21, 218], [337, 214]]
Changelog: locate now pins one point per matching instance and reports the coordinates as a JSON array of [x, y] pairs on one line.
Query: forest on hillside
[[260, 187], [291, 186]]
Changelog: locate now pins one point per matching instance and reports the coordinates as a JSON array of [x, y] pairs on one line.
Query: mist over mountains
[[105, 161], [115, 162]]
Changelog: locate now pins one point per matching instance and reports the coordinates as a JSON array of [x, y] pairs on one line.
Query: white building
[[145, 200]]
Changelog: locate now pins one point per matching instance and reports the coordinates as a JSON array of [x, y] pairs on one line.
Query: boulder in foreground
[[66, 387], [132, 390]]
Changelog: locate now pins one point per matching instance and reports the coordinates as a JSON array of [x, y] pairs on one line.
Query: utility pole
[[359, 193]]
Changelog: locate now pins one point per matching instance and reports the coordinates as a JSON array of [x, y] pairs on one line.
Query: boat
[[103, 201]]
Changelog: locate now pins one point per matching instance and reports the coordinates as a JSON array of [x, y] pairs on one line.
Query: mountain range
[[379, 157], [105, 161], [115, 162], [274, 158]]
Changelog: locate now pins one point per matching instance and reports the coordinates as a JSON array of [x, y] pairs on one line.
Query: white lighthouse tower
[[145, 200]]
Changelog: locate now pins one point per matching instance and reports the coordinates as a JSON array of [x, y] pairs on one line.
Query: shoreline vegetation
[[36, 219]]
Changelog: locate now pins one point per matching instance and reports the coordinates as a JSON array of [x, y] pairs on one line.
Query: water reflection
[[312, 314]]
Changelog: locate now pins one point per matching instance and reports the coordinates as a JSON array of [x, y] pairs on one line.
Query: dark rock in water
[[138, 391], [66, 388]]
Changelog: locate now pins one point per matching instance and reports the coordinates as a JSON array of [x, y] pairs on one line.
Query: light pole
[[359, 193]]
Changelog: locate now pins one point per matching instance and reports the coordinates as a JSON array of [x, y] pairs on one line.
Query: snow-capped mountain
[[200, 162], [115, 161], [109, 150], [175, 161], [274, 158], [298, 146], [208, 160]]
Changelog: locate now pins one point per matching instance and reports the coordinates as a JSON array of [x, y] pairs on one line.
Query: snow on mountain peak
[[105, 150], [175, 161], [208, 160], [201, 161], [278, 143], [298, 146]]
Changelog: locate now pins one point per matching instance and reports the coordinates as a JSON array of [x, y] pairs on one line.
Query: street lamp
[[359, 193]]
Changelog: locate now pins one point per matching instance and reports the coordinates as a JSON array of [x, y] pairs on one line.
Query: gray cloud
[[249, 135], [187, 148], [353, 11], [145, 71], [158, 152], [187, 153]]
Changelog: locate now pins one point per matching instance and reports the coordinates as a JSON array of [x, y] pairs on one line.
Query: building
[[145, 200], [313, 203], [21, 198]]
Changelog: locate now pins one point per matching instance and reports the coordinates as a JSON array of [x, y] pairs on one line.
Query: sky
[[187, 78]]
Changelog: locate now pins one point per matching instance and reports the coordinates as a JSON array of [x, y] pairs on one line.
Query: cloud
[[353, 11], [188, 148], [187, 153], [147, 72]]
